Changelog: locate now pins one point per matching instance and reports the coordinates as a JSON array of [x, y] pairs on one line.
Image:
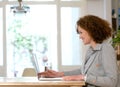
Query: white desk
[[33, 82]]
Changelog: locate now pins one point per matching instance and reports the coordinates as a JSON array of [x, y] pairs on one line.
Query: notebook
[[37, 68]]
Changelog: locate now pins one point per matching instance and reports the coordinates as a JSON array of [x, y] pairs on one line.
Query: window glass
[[1, 36], [70, 0], [33, 0], [71, 46], [36, 31]]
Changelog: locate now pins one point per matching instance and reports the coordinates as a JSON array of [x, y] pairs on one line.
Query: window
[[69, 40], [1, 37], [70, 0], [33, 0], [37, 25], [48, 30]]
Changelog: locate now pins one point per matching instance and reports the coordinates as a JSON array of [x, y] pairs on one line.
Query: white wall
[[100, 8]]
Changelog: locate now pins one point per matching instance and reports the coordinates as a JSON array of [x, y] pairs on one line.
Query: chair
[[29, 72]]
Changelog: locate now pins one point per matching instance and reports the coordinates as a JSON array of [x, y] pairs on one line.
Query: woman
[[100, 66]]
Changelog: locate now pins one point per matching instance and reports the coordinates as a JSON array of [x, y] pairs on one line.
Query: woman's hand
[[73, 78], [50, 73]]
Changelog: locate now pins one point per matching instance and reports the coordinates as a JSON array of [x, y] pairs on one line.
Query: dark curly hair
[[99, 29]]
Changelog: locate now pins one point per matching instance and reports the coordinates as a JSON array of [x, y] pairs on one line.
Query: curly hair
[[99, 29]]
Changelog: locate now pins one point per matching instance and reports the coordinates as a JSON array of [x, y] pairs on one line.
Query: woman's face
[[84, 35]]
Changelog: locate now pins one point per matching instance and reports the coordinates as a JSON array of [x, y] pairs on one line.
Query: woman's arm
[[72, 72]]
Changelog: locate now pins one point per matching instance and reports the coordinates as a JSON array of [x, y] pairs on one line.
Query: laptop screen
[[35, 63]]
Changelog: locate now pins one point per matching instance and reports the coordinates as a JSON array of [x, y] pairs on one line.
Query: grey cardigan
[[101, 67]]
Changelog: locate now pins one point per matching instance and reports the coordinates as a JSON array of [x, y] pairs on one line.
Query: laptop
[[37, 69]]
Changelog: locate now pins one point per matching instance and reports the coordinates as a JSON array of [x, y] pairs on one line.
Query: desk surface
[[33, 82]]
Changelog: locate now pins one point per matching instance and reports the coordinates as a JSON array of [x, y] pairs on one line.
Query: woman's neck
[[93, 44]]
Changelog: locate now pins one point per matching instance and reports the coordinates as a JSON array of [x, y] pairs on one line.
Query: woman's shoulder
[[107, 47]]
